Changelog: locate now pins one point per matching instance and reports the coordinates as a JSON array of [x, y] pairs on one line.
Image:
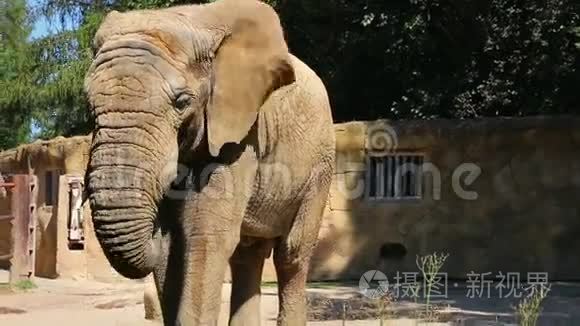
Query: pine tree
[[15, 74]]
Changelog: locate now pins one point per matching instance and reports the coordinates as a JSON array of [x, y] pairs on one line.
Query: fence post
[[21, 233]]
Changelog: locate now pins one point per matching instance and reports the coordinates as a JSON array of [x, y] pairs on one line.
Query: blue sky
[[42, 26]]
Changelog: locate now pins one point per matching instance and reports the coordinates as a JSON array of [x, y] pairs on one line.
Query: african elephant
[[213, 145]]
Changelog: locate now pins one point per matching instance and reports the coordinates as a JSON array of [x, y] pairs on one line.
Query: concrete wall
[[88, 263], [525, 217]]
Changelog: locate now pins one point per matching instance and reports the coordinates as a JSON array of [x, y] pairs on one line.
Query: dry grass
[[322, 308], [359, 307], [529, 309]]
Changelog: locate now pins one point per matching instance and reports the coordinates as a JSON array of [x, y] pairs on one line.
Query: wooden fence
[[21, 191]]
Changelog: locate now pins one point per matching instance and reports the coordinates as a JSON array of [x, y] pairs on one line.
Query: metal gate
[[21, 191]]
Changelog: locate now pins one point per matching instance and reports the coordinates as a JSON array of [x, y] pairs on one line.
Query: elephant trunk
[[124, 211]]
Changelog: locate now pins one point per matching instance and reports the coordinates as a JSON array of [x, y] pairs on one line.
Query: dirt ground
[[89, 303]]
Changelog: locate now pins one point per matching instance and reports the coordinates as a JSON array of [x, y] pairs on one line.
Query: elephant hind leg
[[292, 258], [246, 265]]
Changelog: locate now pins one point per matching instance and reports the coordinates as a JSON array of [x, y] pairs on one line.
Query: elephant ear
[[250, 63]]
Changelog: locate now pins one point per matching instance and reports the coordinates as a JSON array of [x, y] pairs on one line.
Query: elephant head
[[167, 84]]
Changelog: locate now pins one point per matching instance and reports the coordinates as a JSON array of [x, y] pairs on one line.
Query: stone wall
[[520, 214], [524, 218]]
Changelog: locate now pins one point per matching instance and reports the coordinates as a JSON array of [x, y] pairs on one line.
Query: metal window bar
[[394, 177], [408, 176], [389, 192], [370, 179], [378, 181], [419, 177], [414, 176], [393, 173], [405, 176], [368, 176]]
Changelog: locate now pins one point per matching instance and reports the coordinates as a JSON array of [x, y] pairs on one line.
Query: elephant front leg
[[190, 282], [212, 222], [247, 264], [205, 272]]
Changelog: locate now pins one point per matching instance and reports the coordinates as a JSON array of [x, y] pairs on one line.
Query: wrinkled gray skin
[[212, 91]]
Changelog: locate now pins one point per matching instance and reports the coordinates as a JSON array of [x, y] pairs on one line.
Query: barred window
[[394, 177]]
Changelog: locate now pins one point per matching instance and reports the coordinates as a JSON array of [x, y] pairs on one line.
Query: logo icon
[[382, 139], [373, 284]]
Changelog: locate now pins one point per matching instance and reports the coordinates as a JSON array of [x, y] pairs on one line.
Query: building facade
[[63, 247]]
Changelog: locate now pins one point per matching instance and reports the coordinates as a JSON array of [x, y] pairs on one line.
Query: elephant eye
[[183, 101]]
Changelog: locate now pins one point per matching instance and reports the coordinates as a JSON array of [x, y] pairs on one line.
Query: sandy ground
[[89, 303], [85, 303]]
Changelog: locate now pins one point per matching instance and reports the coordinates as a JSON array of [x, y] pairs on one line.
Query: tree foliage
[[14, 68], [440, 58], [379, 59]]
